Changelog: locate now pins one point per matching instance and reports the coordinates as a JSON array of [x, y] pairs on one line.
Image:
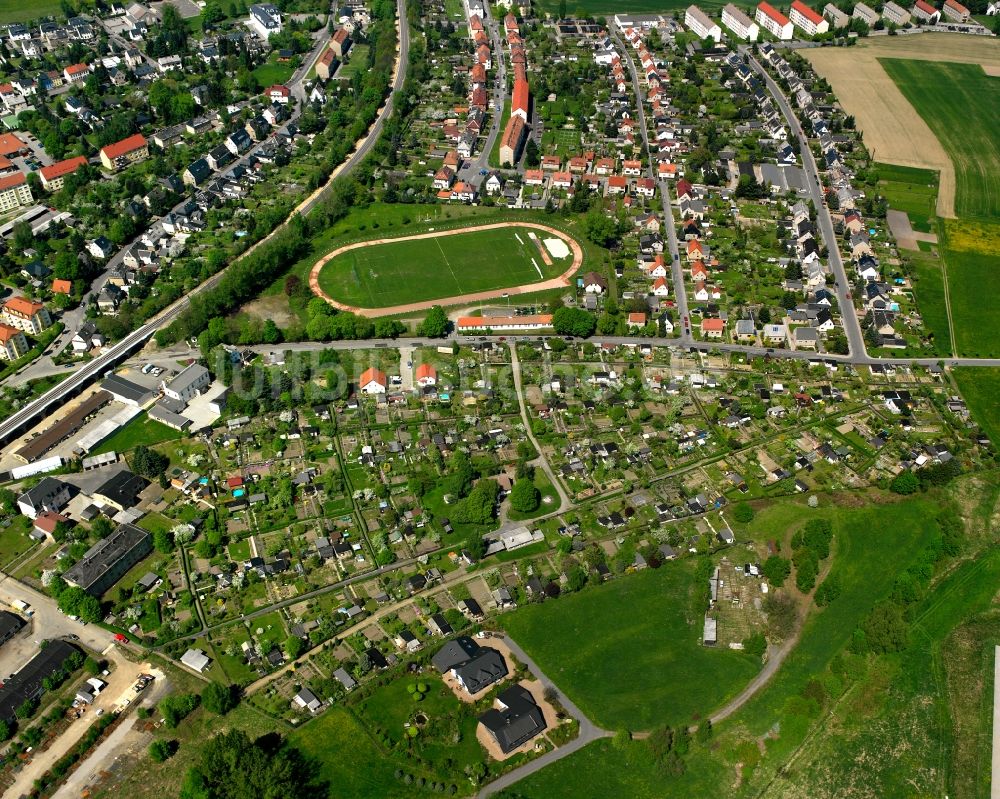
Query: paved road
[[676, 269], [27, 416], [470, 172], [849, 318], [589, 732], [541, 460]]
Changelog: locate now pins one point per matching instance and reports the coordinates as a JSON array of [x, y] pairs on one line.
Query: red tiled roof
[[513, 133], [807, 12], [713, 324], [426, 370], [19, 306], [373, 374], [125, 146], [11, 181], [284, 91], [62, 287], [927, 8], [522, 93], [76, 69], [62, 168], [341, 36], [10, 144], [773, 13], [7, 333], [504, 321], [957, 6]]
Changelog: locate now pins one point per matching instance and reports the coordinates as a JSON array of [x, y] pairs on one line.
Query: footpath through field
[[562, 281]]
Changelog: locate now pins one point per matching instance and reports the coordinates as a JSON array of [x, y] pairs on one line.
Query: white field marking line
[[437, 240], [535, 264], [519, 239]]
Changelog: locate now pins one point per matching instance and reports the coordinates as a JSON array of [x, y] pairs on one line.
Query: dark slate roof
[[454, 653], [483, 670], [517, 722], [27, 683]]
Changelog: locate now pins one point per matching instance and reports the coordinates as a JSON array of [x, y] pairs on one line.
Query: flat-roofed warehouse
[[10, 623], [27, 683], [64, 428], [108, 560]]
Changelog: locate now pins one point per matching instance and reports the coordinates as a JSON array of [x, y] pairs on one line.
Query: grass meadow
[[629, 653], [393, 273], [958, 102], [970, 252], [11, 11], [140, 430], [980, 387], [912, 191], [926, 271], [773, 726]]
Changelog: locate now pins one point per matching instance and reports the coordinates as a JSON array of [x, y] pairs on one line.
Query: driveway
[[119, 686], [589, 732]]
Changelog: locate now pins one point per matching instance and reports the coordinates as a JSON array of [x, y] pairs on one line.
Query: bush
[[743, 513], [905, 483], [161, 750], [219, 699], [828, 590], [776, 569], [755, 644], [175, 708]]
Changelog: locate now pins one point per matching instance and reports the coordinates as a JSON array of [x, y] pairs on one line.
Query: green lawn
[[928, 289], [26, 12], [381, 275], [357, 61], [349, 759], [980, 388], [494, 159], [869, 553], [973, 280], [958, 102], [629, 653], [911, 190], [271, 72], [141, 430]]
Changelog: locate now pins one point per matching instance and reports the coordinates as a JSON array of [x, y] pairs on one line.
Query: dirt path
[[893, 131], [561, 281], [906, 237]]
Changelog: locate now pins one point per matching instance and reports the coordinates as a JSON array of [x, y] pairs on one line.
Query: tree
[[531, 157], [573, 322], [776, 569], [148, 462], [743, 513], [525, 497], [294, 647], [163, 541], [905, 483], [885, 629], [601, 229], [6, 730], [435, 324], [219, 699], [232, 766], [161, 750]]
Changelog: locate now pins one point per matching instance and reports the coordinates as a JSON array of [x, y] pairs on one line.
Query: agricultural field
[[927, 275], [958, 102], [970, 254], [980, 388], [912, 191], [388, 272], [630, 654], [25, 12]]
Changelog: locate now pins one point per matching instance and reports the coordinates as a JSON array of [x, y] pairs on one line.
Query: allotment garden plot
[[447, 264]]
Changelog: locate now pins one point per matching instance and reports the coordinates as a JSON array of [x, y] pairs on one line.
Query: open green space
[[958, 102], [868, 554], [912, 191], [927, 275], [494, 159], [973, 279], [11, 11], [357, 61], [980, 388], [630, 653], [393, 273], [548, 502], [349, 759], [271, 72], [141, 430]]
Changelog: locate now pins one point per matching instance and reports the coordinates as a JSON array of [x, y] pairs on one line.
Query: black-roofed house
[[121, 490], [474, 667], [515, 719]]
